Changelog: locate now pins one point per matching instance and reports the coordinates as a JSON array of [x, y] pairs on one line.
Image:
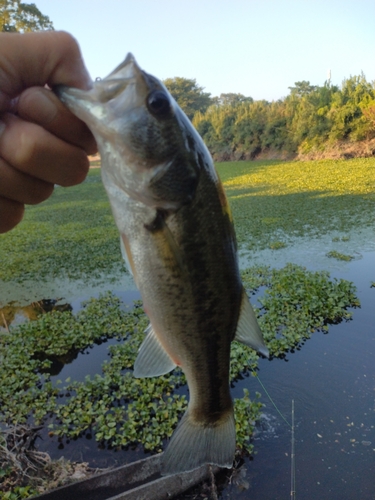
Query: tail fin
[[194, 444]]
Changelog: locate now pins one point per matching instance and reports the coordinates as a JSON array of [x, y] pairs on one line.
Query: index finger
[[37, 59]]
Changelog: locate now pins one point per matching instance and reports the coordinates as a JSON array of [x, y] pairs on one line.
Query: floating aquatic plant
[[339, 256], [304, 198], [120, 410], [277, 245], [73, 234]]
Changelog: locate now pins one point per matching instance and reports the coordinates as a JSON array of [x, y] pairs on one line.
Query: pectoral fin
[[165, 242], [127, 255], [152, 359], [248, 331]]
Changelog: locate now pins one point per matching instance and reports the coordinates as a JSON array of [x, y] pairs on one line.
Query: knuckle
[[68, 43]]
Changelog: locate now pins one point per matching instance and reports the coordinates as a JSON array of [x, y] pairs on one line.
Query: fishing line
[[292, 461], [272, 401], [292, 455]]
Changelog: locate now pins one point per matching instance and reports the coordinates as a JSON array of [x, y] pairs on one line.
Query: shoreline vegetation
[[312, 122]]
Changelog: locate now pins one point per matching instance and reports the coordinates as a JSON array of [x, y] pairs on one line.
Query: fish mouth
[[88, 104], [124, 69]]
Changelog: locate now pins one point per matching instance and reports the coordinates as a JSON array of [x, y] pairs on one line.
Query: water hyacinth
[[120, 410]]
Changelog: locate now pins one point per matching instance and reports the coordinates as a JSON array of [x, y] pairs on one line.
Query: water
[[89, 361], [332, 381]]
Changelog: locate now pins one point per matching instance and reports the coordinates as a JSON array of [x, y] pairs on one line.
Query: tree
[[189, 95], [302, 88], [369, 114], [19, 17], [232, 99]]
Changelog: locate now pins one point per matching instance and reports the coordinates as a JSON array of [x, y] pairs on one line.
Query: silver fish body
[[177, 233]]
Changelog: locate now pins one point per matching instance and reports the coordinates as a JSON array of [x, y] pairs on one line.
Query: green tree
[[19, 17], [189, 95], [302, 88], [308, 110], [232, 99], [309, 118], [249, 127], [276, 135], [368, 111], [346, 113]]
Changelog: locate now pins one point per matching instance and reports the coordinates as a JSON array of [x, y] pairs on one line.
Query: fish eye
[[158, 104]]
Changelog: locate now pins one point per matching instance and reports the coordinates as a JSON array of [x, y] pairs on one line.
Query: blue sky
[[256, 47]]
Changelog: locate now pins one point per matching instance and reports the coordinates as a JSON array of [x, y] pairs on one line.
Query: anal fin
[[152, 359], [248, 331]]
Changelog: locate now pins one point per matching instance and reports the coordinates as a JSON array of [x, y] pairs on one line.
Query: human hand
[[41, 142]]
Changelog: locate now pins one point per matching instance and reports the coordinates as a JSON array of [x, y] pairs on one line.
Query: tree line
[[235, 126], [310, 117]]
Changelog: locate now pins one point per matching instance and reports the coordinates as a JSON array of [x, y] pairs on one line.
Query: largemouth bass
[[177, 232]]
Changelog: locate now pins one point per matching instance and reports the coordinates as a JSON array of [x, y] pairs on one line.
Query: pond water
[[332, 382]]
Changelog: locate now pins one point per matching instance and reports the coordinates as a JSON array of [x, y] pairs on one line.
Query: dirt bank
[[337, 151], [341, 150]]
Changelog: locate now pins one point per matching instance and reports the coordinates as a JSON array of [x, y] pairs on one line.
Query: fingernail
[[36, 106]]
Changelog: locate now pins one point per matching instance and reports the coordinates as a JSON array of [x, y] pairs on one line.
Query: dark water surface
[[332, 382]]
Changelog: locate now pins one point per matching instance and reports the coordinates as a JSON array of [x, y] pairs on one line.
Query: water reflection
[[13, 313]]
